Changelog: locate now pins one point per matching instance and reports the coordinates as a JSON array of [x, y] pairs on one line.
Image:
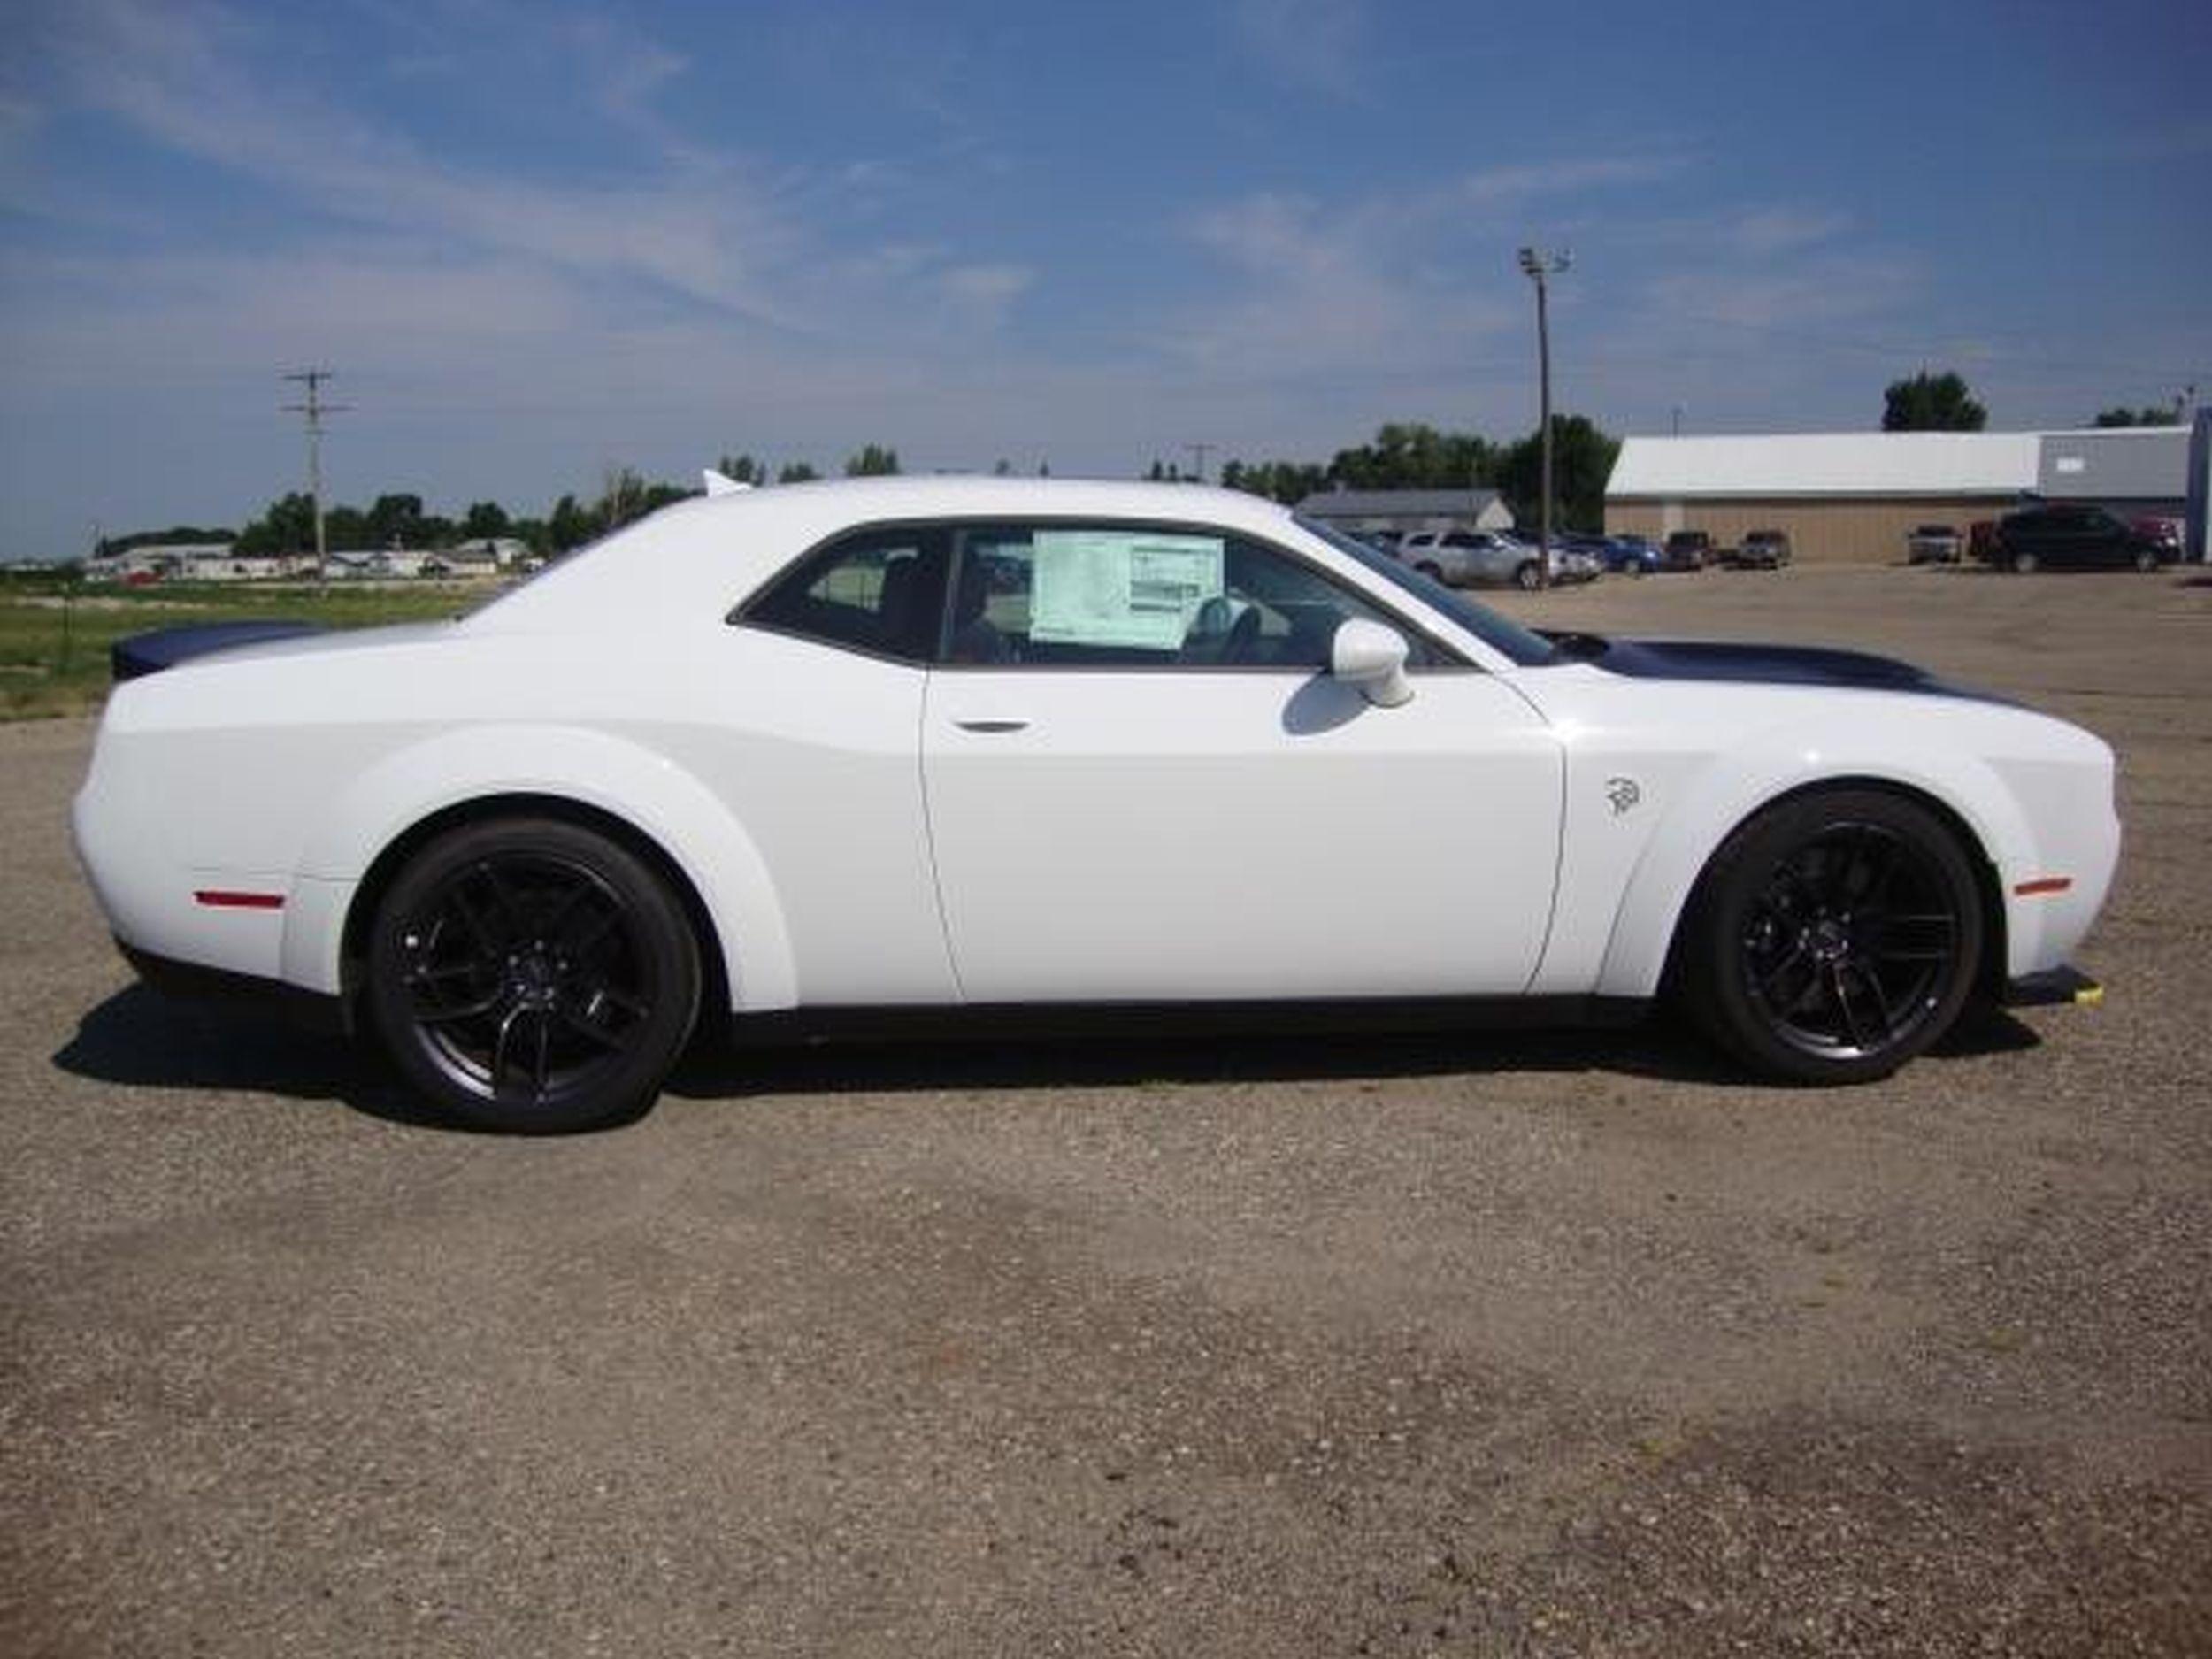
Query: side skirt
[[787, 1026]]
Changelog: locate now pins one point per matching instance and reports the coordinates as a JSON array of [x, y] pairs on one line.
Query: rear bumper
[[2053, 986], [307, 1010]]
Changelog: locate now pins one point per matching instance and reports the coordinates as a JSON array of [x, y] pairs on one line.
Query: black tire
[[532, 975], [1833, 937], [1524, 576], [1433, 572], [2146, 560], [2021, 561]]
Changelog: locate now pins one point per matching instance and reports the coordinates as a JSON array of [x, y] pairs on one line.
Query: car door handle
[[992, 726]]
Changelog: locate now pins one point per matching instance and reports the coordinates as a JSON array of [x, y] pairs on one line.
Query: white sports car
[[944, 744]]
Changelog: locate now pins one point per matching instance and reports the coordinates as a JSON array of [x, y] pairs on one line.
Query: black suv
[[2067, 534]]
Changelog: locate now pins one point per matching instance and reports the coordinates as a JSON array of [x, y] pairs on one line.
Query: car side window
[[1137, 597], [880, 591]]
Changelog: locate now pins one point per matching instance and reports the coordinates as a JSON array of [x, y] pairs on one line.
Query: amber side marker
[[2089, 996], [220, 899], [2036, 889]]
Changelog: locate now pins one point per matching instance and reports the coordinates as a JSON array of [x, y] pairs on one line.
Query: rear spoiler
[[164, 647]]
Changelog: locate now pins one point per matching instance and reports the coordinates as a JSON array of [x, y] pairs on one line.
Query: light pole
[[1539, 265]]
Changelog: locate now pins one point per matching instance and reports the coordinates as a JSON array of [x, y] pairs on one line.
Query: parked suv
[[1932, 545], [2070, 532], [1688, 550], [1762, 549], [1470, 558]]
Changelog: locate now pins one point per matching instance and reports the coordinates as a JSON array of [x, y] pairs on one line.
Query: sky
[[537, 242]]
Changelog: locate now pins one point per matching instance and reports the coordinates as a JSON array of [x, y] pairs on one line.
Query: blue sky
[[537, 241]]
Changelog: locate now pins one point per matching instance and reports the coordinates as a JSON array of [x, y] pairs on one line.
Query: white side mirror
[[1372, 659]]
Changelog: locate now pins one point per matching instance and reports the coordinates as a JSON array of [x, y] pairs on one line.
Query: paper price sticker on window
[[1120, 588]]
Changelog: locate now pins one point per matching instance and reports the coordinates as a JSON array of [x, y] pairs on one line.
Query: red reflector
[[2048, 884], [219, 899]]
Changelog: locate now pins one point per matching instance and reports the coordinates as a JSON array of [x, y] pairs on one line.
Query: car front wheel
[[530, 974], [1834, 937], [2022, 561], [1524, 576]]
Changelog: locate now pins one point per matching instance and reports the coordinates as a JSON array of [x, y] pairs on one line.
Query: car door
[[1145, 786]]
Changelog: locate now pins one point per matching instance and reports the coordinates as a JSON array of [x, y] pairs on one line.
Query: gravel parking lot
[[1539, 1344]]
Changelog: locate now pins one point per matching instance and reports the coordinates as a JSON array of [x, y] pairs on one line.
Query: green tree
[[796, 473], [1931, 403], [2124, 417], [570, 525], [286, 527], [396, 521], [1581, 461], [872, 461], [1288, 482], [1411, 454], [743, 469], [486, 521], [346, 528]]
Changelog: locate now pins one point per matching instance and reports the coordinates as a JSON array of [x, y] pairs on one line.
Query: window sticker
[[1131, 587]]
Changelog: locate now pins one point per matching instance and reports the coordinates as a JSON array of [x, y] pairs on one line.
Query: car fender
[[1711, 802], [598, 769]]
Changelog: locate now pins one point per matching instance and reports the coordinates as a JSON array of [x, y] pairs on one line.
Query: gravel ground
[[1536, 1344]]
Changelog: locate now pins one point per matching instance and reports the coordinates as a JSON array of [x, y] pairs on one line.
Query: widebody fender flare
[[1735, 787], [691, 825]]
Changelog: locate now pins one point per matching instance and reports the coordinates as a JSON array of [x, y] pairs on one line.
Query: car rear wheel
[[2145, 560], [1430, 570], [1834, 937], [530, 974]]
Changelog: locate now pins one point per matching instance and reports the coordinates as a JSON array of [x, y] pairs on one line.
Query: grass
[[55, 635]]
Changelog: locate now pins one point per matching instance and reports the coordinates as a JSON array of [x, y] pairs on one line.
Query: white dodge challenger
[[963, 745]]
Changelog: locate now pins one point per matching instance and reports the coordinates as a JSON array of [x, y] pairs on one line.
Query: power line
[[315, 408]]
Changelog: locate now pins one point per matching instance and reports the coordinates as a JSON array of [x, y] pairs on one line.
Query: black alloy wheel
[[533, 975], [1836, 936]]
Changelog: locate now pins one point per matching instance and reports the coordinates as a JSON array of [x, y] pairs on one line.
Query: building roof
[[1383, 503], [1829, 464]]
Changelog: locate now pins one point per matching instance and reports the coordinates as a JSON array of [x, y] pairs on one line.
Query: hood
[[1756, 665]]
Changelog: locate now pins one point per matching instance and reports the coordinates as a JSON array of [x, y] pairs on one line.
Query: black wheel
[[2145, 560], [1833, 937], [530, 974], [1431, 571], [1524, 576], [2022, 561]]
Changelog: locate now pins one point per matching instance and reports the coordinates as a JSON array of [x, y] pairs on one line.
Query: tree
[[1411, 454], [1288, 482], [570, 525], [796, 473], [396, 521], [2124, 417], [1931, 403], [1581, 461], [872, 461], [486, 521], [743, 469], [286, 527]]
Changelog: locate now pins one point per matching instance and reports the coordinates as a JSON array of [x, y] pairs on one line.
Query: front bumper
[[2051, 987]]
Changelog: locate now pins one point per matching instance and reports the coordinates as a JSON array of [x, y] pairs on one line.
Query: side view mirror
[[1371, 658]]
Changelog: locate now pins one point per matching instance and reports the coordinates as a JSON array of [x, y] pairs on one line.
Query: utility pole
[[1199, 452], [315, 408], [1539, 266]]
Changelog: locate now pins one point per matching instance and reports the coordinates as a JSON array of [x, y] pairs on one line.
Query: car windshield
[[1500, 634]]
